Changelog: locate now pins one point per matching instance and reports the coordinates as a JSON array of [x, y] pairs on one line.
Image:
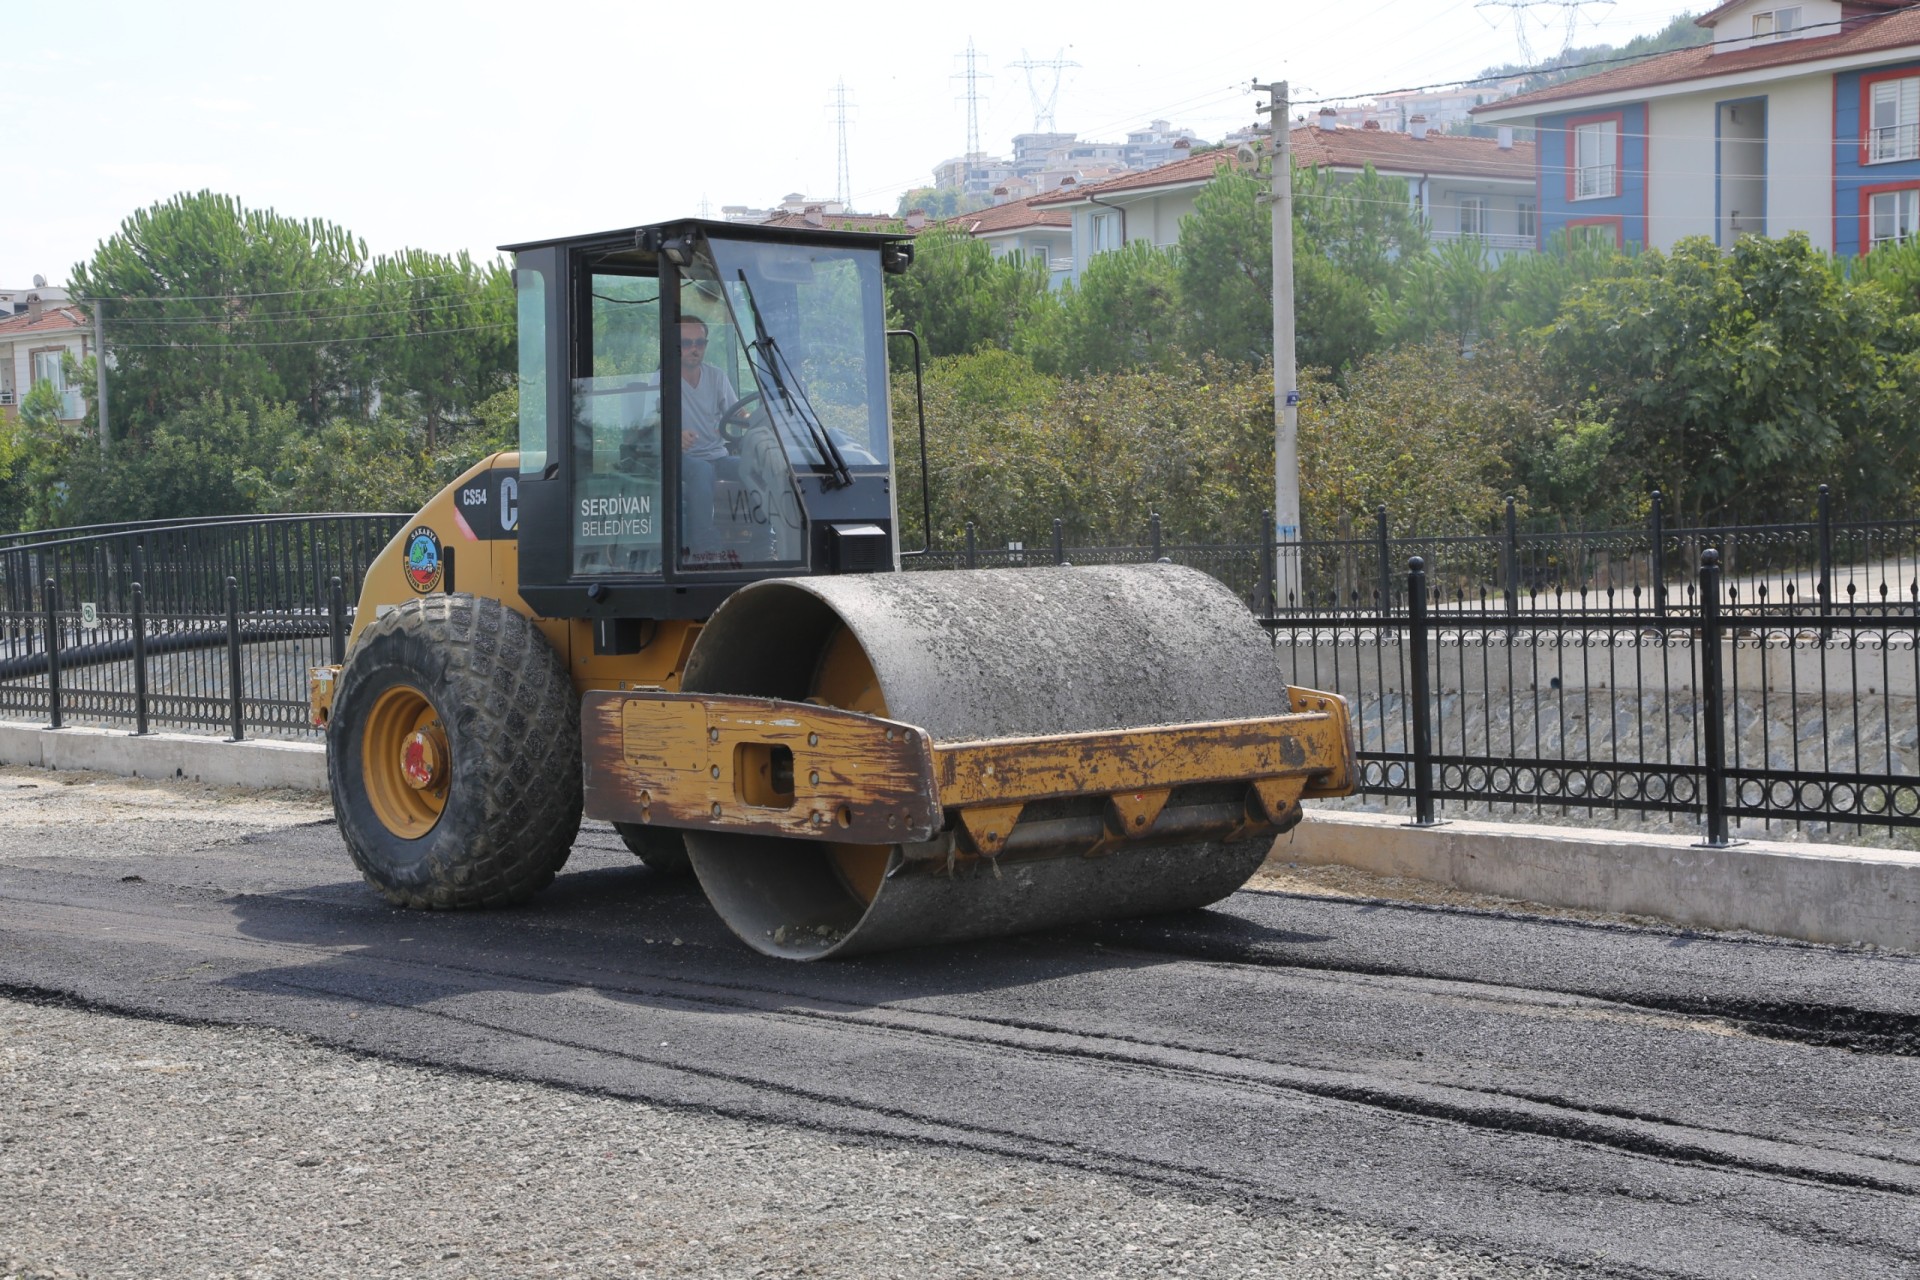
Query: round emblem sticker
[[423, 560]]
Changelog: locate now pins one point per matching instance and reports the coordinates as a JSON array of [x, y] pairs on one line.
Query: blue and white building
[[1794, 117]]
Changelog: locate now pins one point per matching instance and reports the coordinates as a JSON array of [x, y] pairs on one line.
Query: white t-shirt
[[700, 410]]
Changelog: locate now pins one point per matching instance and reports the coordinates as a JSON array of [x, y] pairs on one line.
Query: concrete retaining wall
[[1821, 893], [300, 765]]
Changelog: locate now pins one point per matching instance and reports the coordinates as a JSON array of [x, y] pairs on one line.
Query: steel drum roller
[[970, 656]]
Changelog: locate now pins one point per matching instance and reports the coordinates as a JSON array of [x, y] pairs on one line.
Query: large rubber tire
[[502, 812], [661, 850]]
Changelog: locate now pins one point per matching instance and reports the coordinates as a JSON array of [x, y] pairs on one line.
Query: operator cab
[[702, 404]]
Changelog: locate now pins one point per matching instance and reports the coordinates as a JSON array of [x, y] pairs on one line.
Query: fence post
[[1421, 694], [53, 653], [1826, 558], [973, 551], [337, 621], [1153, 524], [1059, 540], [234, 677], [1510, 560], [139, 658], [1268, 595], [1713, 731], [1657, 533], [1386, 566]]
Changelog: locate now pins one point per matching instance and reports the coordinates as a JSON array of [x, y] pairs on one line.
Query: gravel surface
[[140, 1148], [135, 1148]]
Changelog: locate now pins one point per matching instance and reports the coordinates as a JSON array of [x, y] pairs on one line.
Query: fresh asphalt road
[[1593, 1096]]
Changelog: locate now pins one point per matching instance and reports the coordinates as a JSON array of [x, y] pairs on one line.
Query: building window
[[1776, 24], [1527, 219], [1893, 216], [46, 368], [1473, 218], [1106, 231], [1893, 127], [1596, 156]]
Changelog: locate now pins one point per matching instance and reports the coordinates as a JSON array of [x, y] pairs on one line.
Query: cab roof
[[653, 233]]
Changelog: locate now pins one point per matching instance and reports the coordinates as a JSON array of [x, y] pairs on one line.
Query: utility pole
[[1286, 395], [100, 369]]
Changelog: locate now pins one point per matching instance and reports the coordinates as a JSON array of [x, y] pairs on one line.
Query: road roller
[[679, 606]]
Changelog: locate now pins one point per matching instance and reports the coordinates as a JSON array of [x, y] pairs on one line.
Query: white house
[[1794, 117], [32, 343], [1019, 227], [1480, 189]]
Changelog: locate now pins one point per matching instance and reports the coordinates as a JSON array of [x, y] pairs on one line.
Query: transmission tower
[[1519, 7], [1043, 106], [973, 76], [843, 183]]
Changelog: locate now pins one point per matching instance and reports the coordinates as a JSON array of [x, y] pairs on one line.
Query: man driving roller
[[706, 393]]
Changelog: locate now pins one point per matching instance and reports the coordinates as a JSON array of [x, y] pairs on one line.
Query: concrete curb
[[1818, 892], [263, 763]]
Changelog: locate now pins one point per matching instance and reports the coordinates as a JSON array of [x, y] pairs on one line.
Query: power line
[[301, 342], [287, 293], [1856, 22], [283, 317]]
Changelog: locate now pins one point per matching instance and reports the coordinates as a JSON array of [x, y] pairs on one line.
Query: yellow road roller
[[679, 607]]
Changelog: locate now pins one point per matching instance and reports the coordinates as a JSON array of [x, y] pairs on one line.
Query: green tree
[[959, 297], [216, 456], [1352, 236], [1123, 313], [1419, 430], [205, 295], [1226, 270], [937, 202], [1732, 381], [439, 333]]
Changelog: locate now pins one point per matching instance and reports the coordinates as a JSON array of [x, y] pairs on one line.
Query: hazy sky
[[446, 126]]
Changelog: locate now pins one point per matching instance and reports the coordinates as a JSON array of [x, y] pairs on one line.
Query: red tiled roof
[[844, 222], [1343, 148], [1014, 215], [1200, 168], [1390, 152], [52, 320], [1865, 35]]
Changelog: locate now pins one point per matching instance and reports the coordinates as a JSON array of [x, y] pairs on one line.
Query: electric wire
[[302, 342]]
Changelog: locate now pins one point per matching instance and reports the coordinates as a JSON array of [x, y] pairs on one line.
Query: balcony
[[1497, 246]]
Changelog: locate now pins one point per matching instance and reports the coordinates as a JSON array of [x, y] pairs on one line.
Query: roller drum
[[970, 656]]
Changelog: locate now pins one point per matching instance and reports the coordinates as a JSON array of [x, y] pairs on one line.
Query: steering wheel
[[741, 415]]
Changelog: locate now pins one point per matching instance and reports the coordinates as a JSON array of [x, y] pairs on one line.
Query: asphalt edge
[[1815, 892], [1841, 894]]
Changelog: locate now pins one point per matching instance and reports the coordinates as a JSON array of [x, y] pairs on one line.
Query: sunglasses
[[687, 344]]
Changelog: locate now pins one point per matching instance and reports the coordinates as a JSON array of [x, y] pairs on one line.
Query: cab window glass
[[739, 508], [530, 287], [824, 309], [616, 431]]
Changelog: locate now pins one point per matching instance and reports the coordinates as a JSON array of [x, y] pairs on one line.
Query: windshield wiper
[[774, 361]]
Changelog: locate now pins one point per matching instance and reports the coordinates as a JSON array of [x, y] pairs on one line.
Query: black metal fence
[[199, 627], [1829, 562], [1720, 719], [1565, 676]]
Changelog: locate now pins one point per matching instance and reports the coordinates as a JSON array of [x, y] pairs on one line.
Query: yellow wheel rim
[[405, 762], [846, 680]]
